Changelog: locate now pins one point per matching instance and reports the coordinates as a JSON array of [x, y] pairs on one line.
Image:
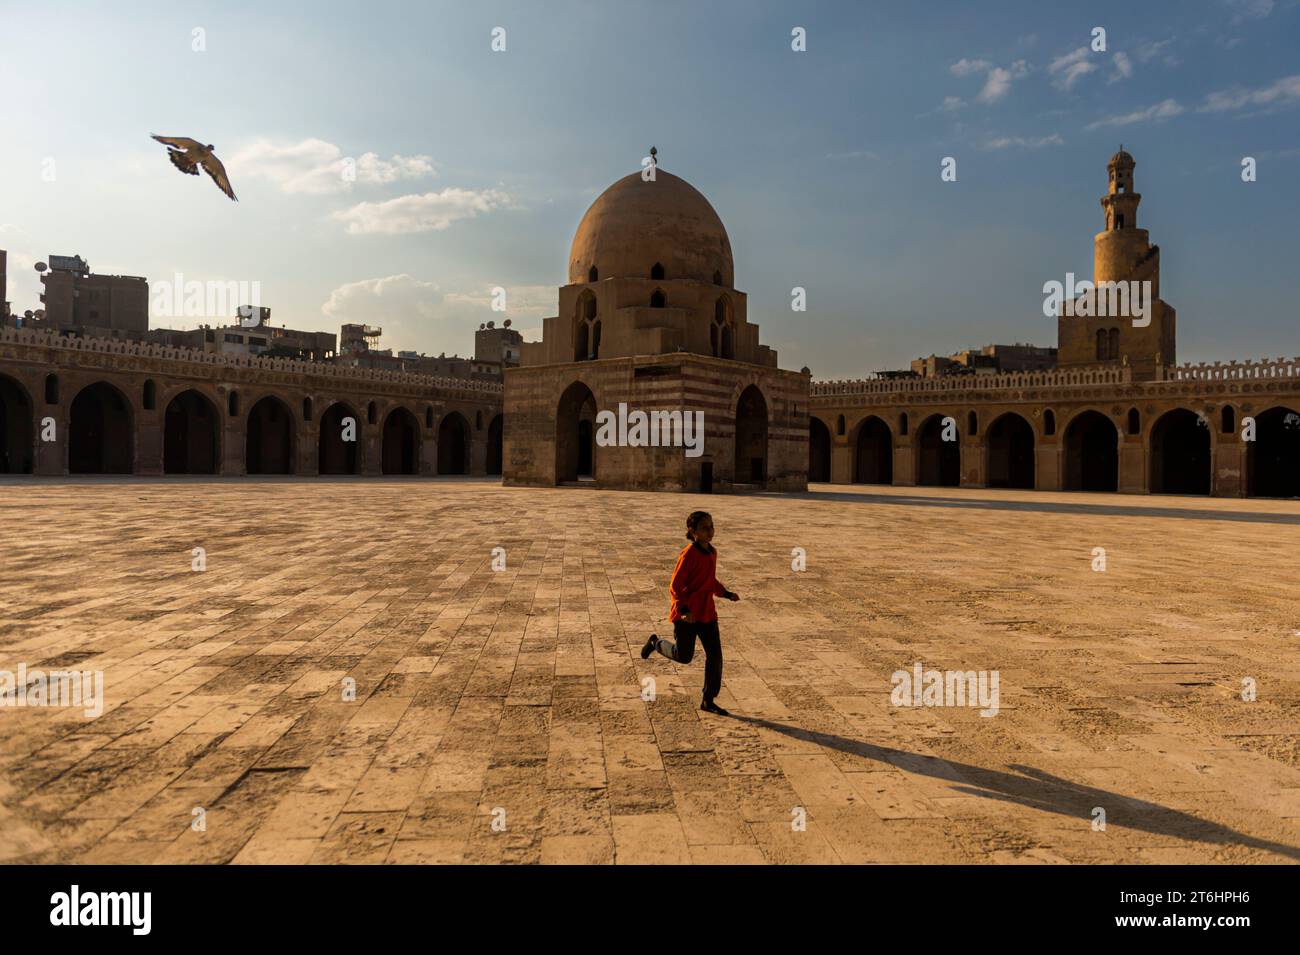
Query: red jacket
[[695, 584]]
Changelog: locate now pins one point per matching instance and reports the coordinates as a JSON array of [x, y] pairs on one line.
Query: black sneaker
[[650, 646], [708, 706]]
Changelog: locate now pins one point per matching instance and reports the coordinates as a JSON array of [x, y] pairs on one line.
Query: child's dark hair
[[693, 521]]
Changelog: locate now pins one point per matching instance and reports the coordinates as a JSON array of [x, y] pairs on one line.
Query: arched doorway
[[100, 432], [1273, 458], [1092, 453], [575, 423], [16, 445], [495, 444], [400, 452], [453, 444], [873, 453], [268, 446], [1010, 444], [751, 438], [938, 462], [340, 436], [819, 450], [191, 432], [1180, 454]]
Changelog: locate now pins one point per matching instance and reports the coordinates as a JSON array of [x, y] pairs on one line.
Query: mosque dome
[[636, 225]]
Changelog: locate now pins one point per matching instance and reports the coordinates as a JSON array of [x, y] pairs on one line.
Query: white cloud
[[1069, 68], [1284, 91], [1165, 109], [421, 316], [1123, 68], [406, 308], [965, 67], [996, 86], [315, 167], [997, 82], [1149, 51], [429, 212], [521, 301], [1004, 142], [1250, 9]]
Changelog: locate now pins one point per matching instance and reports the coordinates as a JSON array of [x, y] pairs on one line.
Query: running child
[[694, 585]]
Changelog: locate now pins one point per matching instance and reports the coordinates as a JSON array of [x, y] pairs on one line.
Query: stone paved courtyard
[[514, 698]]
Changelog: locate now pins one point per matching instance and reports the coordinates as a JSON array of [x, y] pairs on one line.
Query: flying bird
[[187, 155]]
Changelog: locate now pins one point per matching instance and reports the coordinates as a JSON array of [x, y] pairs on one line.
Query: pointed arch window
[[657, 272], [722, 335], [586, 330]]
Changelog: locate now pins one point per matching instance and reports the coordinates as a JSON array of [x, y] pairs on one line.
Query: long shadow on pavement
[[1037, 790]]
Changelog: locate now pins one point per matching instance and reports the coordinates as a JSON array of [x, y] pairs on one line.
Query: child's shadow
[[1038, 790]]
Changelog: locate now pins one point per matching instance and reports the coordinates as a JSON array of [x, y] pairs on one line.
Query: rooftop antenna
[[653, 154]]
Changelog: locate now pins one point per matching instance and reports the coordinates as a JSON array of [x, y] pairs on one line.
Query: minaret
[[1121, 253], [1123, 250]]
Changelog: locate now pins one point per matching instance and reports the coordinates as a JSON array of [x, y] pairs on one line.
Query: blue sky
[[474, 167]]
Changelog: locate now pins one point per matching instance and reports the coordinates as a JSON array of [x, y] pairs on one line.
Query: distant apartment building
[[79, 302], [252, 334], [500, 345], [989, 360]]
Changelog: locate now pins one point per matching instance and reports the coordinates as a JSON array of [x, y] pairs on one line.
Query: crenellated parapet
[[971, 384], [1255, 369], [344, 375]]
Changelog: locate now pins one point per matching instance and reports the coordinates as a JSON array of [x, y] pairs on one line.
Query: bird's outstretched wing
[[212, 166], [179, 142]]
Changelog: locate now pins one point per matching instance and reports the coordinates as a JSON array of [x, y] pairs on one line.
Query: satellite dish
[[27, 314], [506, 323], [39, 313], [41, 266]]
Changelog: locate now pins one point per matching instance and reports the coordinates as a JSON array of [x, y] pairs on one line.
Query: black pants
[[681, 649]]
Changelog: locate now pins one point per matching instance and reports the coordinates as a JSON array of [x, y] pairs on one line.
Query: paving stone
[[524, 691]]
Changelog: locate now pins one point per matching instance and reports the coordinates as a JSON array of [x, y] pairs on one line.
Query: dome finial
[[653, 154]]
